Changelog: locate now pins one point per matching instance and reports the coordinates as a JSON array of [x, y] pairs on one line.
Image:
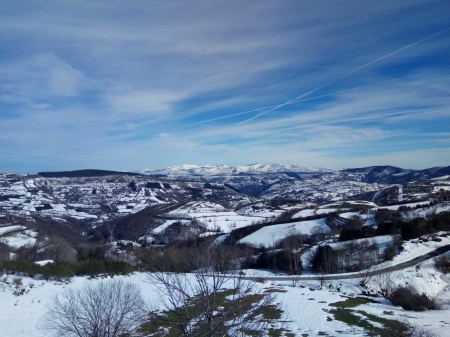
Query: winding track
[[406, 264]]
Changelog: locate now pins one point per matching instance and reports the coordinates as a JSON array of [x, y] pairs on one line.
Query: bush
[[442, 263], [324, 260], [153, 184], [389, 252], [387, 228], [94, 267], [85, 253], [26, 267], [409, 299], [90, 267], [282, 260], [393, 328], [414, 229], [418, 227], [61, 270], [289, 262], [17, 282], [118, 268], [357, 233], [132, 185]]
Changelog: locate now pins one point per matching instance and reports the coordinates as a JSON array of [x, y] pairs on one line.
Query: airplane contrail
[[223, 117], [354, 89], [367, 118], [347, 74], [298, 99], [294, 101]]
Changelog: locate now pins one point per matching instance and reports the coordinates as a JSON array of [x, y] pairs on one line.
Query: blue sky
[[149, 84]]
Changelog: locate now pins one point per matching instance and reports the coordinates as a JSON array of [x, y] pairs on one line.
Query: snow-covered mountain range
[[224, 170], [96, 195]]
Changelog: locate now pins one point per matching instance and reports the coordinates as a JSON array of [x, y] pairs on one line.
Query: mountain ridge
[[220, 170]]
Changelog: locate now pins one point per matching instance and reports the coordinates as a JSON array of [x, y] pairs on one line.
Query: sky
[[130, 85]]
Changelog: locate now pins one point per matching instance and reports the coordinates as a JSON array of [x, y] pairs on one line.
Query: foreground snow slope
[[306, 305]]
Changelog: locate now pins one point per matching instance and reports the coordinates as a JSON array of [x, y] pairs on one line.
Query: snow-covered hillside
[[220, 198], [96, 198], [309, 307], [225, 170]]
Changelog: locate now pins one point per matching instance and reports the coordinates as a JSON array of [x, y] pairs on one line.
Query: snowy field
[[215, 216], [307, 307], [269, 235], [17, 236], [9, 229], [19, 240]]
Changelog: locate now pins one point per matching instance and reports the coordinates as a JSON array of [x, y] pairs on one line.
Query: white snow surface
[[214, 216], [269, 235], [44, 262], [306, 305], [18, 240], [304, 213], [381, 241], [166, 224], [8, 229], [412, 204], [224, 170]]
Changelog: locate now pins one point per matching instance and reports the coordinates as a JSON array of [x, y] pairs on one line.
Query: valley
[[271, 222]]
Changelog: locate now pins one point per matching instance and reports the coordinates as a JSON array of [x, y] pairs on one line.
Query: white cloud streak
[[114, 85], [347, 74]]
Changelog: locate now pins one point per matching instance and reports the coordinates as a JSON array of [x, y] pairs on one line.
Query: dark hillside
[[85, 173], [395, 175]]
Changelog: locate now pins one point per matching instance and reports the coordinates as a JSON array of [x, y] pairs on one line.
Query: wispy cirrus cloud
[[154, 83], [37, 78]]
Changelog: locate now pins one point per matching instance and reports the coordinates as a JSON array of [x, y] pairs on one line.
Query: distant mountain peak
[[221, 170]]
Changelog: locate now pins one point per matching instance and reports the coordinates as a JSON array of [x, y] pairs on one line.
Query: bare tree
[[59, 250], [4, 251], [368, 274], [322, 278], [209, 303], [108, 309], [356, 222], [385, 282], [317, 230], [293, 243]]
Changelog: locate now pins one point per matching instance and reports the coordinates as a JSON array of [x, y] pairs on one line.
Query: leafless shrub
[[209, 303], [390, 252], [108, 309], [410, 299], [404, 329], [385, 282], [442, 263], [367, 275], [17, 282]]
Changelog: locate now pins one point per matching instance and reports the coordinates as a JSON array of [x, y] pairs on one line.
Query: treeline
[[391, 223], [286, 261], [85, 173], [239, 233], [186, 255], [349, 256], [60, 270], [419, 226], [72, 253], [133, 226]]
